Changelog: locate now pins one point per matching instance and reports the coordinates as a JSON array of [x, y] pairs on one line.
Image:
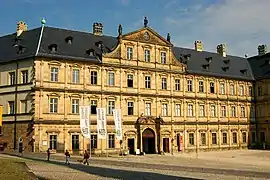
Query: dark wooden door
[[166, 145]]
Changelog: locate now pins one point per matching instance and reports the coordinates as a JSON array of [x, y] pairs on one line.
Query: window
[[164, 83], [93, 77], [76, 76], [130, 108], [243, 112], [213, 111], [53, 105], [54, 74], [24, 106], [253, 137], [12, 78], [147, 82], [93, 141], [164, 109], [111, 106], [93, 106], [11, 105], [262, 136], [203, 139], [224, 138], [189, 83], [177, 84], [233, 111], [163, 57], [111, 78], [0, 130], [130, 80], [147, 109], [147, 55], [241, 89], [252, 113], [190, 110], [222, 88], [75, 106], [223, 111], [244, 137], [111, 141], [191, 138], [234, 137], [212, 87], [232, 92], [201, 86], [25, 77], [53, 142], [250, 90], [201, 110], [75, 142], [259, 91], [178, 110], [129, 53], [214, 138]]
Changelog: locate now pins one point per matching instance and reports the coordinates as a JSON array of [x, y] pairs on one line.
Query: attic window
[[206, 66], [208, 59], [243, 71], [21, 49], [53, 47], [90, 52], [99, 44], [225, 68], [187, 56], [69, 40], [226, 61]]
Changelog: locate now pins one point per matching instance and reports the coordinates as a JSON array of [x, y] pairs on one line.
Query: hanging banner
[[85, 121], [101, 123], [118, 123]]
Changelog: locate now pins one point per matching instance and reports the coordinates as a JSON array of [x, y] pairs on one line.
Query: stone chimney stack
[[262, 49], [97, 29], [21, 27], [221, 49], [198, 45]]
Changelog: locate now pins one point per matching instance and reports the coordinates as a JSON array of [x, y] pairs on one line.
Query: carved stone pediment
[[149, 120]]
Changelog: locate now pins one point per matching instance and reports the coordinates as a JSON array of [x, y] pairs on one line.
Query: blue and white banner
[[85, 121], [101, 123], [118, 123]]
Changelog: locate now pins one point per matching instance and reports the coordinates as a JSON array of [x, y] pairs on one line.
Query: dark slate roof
[[260, 66]]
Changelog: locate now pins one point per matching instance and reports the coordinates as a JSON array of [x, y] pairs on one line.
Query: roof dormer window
[[99, 44], [187, 56], [69, 40], [225, 68], [208, 59], [53, 48], [206, 67], [226, 61], [90, 52], [243, 71], [21, 49]]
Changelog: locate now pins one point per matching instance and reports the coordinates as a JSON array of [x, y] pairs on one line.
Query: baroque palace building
[[172, 99]]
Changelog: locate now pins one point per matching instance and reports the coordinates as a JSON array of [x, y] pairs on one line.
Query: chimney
[[262, 49], [198, 46], [221, 49], [21, 27], [97, 29]]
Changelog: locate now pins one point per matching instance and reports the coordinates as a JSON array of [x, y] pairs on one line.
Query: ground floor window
[[53, 142], [203, 139], [111, 141], [191, 138], [75, 142], [244, 137], [235, 138], [253, 137], [224, 138], [94, 141], [262, 136], [214, 138]]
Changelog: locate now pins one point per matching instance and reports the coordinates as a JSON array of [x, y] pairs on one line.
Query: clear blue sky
[[212, 21]]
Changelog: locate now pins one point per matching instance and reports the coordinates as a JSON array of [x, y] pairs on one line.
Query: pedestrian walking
[[67, 157], [85, 157], [48, 154]]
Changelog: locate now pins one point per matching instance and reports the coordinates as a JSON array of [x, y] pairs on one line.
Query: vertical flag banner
[[85, 121], [101, 123], [1, 115], [118, 123]]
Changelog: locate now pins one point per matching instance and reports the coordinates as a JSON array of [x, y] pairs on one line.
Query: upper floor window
[[147, 109], [201, 86], [163, 57], [129, 53], [202, 111], [111, 107], [111, 141], [147, 82], [178, 110], [232, 92], [250, 90], [213, 110], [75, 106], [76, 76], [130, 80], [243, 112], [223, 111], [190, 110], [93, 77], [233, 111], [164, 83], [222, 88], [164, 109], [259, 91], [147, 55], [130, 108], [25, 77], [93, 106], [252, 113], [241, 89], [111, 78], [11, 105], [212, 87], [53, 105], [54, 74], [12, 78], [177, 84], [189, 85]]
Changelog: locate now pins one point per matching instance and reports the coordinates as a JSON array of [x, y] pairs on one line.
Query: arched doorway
[[148, 138]]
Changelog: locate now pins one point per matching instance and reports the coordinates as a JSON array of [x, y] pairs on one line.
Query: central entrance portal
[[148, 138]]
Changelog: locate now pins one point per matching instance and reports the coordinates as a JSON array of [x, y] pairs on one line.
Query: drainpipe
[[16, 105]]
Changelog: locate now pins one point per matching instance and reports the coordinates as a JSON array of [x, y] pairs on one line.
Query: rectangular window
[[75, 142], [244, 137], [163, 57], [214, 138], [147, 55], [93, 77], [241, 89], [250, 90], [130, 108], [111, 107], [259, 91], [164, 109], [111, 78], [224, 138], [53, 142], [11, 105], [222, 88], [12, 78], [93, 106], [253, 137], [25, 77], [201, 86], [252, 113], [76, 76], [233, 111], [24, 106], [190, 110], [54, 74], [189, 85], [203, 139], [235, 138], [178, 110], [223, 111], [232, 91], [111, 141], [147, 109], [164, 83], [129, 53], [262, 136], [177, 84], [94, 141], [202, 111], [130, 80], [147, 82], [213, 111], [75, 106], [53, 105], [243, 112], [191, 139], [212, 87]]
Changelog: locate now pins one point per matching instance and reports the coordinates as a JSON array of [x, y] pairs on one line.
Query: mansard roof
[[260, 66], [69, 44]]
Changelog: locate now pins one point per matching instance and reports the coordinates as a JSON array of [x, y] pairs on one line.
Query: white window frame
[[111, 78], [76, 76], [147, 55], [147, 82], [53, 101], [75, 106], [177, 84], [189, 85], [222, 88], [54, 74], [213, 110], [241, 90], [243, 111], [233, 111], [190, 110], [163, 57], [177, 109], [111, 107], [129, 53], [202, 110], [164, 83], [223, 111]]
